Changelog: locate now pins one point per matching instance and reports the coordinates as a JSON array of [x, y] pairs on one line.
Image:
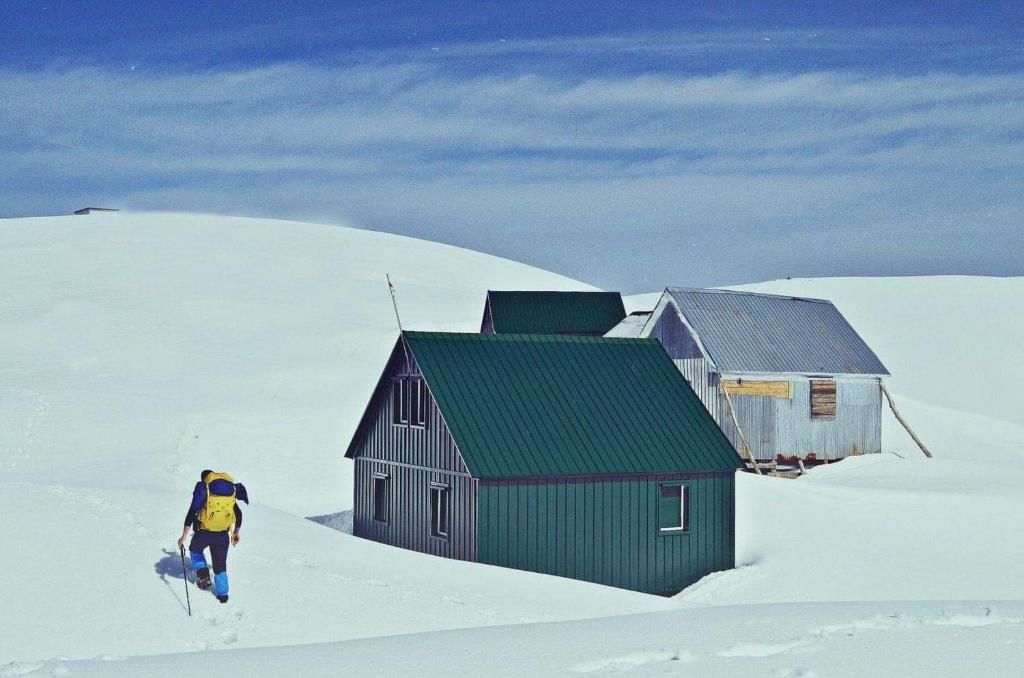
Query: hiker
[[211, 514]]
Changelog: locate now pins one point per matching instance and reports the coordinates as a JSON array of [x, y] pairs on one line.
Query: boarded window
[[439, 511], [768, 389], [673, 509], [823, 399], [409, 398], [380, 497]]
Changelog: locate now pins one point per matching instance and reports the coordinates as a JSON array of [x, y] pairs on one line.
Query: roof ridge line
[[509, 336], [718, 290]]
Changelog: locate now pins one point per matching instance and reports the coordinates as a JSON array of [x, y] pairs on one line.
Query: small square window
[[439, 511], [380, 497], [673, 508]]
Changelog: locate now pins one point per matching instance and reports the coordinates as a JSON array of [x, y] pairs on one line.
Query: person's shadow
[[170, 567]]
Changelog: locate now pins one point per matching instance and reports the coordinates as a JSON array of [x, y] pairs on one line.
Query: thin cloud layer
[[626, 180]]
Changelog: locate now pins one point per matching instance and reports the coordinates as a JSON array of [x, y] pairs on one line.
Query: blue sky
[[631, 145]]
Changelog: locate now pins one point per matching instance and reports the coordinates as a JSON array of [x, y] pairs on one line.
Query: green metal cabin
[[581, 457], [582, 313]]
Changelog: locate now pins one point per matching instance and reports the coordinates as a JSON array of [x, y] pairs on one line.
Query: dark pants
[[218, 543]]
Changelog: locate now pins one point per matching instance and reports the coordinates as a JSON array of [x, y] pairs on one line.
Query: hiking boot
[[223, 598], [203, 579]]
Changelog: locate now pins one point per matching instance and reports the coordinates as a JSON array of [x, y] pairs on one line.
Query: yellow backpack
[[218, 513]]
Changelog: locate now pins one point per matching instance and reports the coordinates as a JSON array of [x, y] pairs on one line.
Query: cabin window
[[673, 508], [823, 399], [439, 511], [400, 415], [380, 497], [409, 399]]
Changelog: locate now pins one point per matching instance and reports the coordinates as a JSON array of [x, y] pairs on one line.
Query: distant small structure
[[576, 313], [90, 210]]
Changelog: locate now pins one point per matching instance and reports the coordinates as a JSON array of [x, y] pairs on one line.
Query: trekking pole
[[184, 576]]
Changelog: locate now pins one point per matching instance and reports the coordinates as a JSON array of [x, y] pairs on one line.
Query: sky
[[632, 145]]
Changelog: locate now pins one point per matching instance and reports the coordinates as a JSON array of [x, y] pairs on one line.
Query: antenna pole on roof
[[398, 318]]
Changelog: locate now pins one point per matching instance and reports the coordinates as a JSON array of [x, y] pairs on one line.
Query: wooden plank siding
[[606, 530]]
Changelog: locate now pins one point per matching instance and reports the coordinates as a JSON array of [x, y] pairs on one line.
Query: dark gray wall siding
[[408, 524], [431, 447], [606, 531], [412, 457], [487, 326]]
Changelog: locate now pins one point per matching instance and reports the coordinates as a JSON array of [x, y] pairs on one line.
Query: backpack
[[218, 512]]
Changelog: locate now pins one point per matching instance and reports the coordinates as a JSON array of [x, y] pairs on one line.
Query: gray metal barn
[[786, 377], [582, 457]]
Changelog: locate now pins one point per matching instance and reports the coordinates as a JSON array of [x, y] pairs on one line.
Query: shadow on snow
[[170, 568]]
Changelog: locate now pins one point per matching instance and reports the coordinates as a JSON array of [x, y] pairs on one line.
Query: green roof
[[554, 312], [547, 405]]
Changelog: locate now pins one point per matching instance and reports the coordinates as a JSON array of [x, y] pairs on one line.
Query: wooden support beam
[[745, 448], [903, 422]]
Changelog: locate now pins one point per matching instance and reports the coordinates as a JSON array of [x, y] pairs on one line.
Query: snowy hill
[[137, 349]]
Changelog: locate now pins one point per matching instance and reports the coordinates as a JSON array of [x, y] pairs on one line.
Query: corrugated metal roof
[[748, 332], [589, 313], [545, 405]]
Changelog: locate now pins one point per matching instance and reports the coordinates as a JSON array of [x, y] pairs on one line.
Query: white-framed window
[[380, 497], [673, 507], [409, 400], [439, 498]]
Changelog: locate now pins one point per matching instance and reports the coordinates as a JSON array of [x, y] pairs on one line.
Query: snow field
[[136, 350], [805, 640]]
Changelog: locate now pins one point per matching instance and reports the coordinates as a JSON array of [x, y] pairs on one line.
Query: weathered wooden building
[[581, 313], [582, 457], [786, 378]]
